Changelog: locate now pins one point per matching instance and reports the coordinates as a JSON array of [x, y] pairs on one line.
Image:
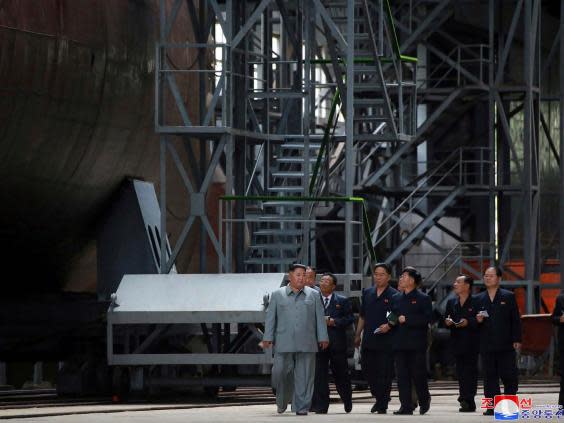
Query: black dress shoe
[[301, 413], [403, 411], [488, 412], [348, 406], [320, 411], [424, 407], [466, 407], [378, 408]]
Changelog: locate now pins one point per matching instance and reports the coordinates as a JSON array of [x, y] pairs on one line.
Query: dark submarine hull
[[76, 120]]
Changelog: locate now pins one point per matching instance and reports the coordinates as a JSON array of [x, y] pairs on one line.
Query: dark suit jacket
[[418, 311], [558, 309], [340, 310], [373, 310], [463, 340], [502, 328]]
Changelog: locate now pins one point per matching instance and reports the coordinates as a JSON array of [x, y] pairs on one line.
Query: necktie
[[326, 302]]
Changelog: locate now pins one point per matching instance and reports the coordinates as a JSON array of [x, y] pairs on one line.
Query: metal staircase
[[464, 257], [383, 101], [462, 169], [278, 235]]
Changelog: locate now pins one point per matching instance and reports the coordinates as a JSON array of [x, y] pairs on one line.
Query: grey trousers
[[293, 376]]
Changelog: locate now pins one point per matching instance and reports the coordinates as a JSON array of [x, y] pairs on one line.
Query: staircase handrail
[[420, 186], [458, 247], [359, 200], [327, 134]]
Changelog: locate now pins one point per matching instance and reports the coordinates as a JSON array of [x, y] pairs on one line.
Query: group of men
[[306, 325]]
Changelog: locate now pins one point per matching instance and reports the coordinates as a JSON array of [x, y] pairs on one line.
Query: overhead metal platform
[[146, 307]]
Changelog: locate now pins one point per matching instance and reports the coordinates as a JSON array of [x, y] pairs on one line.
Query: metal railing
[[255, 216], [475, 168], [450, 170], [455, 68], [470, 258]]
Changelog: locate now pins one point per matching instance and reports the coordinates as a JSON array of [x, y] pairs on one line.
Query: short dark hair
[[295, 266], [414, 273], [332, 276], [497, 269], [384, 266], [467, 279]]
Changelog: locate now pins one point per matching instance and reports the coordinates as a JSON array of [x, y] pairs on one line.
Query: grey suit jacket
[[295, 322]]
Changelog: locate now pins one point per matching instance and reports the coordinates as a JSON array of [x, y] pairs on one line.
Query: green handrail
[[325, 141], [364, 59], [394, 35], [365, 222]]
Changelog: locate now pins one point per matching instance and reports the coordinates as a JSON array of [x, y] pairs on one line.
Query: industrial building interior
[[162, 150]]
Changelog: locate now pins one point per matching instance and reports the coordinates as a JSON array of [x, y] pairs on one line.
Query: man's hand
[[562, 319], [383, 328], [401, 319], [517, 346], [480, 317], [323, 345], [448, 321], [330, 322], [357, 341], [265, 344], [463, 323]]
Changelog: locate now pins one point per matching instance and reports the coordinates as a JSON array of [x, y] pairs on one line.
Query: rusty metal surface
[[76, 117]]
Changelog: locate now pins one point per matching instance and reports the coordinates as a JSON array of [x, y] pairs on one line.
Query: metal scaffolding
[[339, 127]]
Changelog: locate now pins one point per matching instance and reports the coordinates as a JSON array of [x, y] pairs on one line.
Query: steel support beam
[[492, 196], [561, 97], [349, 141]]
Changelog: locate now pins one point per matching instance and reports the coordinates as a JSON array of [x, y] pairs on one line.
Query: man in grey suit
[[295, 325]]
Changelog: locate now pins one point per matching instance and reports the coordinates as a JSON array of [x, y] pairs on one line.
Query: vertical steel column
[[162, 192], [530, 157], [349, 141], [162, 139], [308, 27], [491, 133], [230, 144], [527, 135], [238, 107], [561, 95], [201, 37]]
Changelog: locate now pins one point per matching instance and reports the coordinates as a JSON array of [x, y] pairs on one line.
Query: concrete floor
[[444, 408]]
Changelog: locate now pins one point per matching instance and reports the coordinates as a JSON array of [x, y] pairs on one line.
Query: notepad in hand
[[453, 322], [392, 318], [484, 313]]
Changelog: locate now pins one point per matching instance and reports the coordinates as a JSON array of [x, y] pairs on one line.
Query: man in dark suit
[[460, 317], [500, 336], [377, 356], [558, 320], [338, 315], [414, 313], [310, 276]]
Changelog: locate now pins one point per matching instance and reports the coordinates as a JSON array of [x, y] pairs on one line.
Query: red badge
[[469, 309], [385, 300], [414, 302]]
